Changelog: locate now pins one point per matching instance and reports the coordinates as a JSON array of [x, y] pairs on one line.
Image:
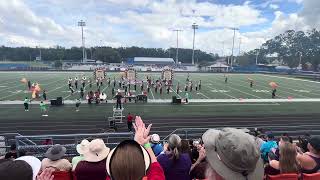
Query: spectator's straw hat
[[82, 147], [233, 154], [315, 142], [97, 151], [56, 152], [155, 138], [34, 162]]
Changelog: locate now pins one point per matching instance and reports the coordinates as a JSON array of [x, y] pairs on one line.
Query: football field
[[217, 104], [213, 86]]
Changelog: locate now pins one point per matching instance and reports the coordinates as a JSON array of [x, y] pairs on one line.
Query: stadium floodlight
[[194, 27], [82, 24], [177, 54], [234, 34]]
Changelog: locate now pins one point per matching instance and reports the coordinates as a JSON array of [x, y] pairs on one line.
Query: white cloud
[[274, 6], [147, 23]]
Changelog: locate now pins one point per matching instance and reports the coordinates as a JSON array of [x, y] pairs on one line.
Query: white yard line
[[290, 92], [11, 87], [299, 88], [175, 92], [296, 79], [203, 95], [237, 90], [23, 91], [152, 92]]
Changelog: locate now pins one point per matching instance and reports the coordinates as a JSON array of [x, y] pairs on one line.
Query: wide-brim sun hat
[[233, 154], [55, 152], [82, 147], [97, 151]]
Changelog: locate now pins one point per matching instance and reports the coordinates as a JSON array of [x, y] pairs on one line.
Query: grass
[[213, 87]]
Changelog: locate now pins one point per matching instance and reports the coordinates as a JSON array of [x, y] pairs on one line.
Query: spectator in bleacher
[[23, 168], [303, 142], [198, 169], [12, 154], [47, 142], [232, 155], [54, 158], [185, 148], [282, 140], [156, 144], [175, 164], [268, 146], [93, 167], [81, 149], [287, 161], [134, 159], [310, 161]]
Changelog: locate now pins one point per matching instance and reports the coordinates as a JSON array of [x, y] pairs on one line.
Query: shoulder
[[274, 164]]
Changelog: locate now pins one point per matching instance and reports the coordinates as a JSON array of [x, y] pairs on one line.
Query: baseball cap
[[233, 154]]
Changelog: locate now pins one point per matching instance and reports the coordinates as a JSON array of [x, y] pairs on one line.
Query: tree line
[[289, 48], [105, 54]]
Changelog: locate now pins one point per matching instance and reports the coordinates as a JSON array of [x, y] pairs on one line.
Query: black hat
[[315, 142]]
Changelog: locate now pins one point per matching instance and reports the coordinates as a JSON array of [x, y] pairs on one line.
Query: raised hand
[[141, 132]]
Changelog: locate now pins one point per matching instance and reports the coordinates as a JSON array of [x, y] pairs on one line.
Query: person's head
[[13, 147], [41, 102], [287, 161], [314, 144], [128, 160], [23, 168], [15, 170], [55, 152], [185, 148], [155, 139], [284, 139], [270, 137], [82, 147], [26, 98], [174, 146], [96, 151], [223, 151]]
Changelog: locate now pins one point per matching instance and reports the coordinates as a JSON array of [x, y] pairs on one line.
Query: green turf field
[[215, 99], [213, 86]]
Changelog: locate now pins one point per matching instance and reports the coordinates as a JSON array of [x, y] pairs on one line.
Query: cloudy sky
[[149, 23]]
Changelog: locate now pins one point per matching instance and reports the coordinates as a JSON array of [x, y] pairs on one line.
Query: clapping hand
[[141, 132]]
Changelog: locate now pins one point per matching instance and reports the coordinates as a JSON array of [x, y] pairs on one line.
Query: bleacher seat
[[314, 176], [62, 175], [283, 177]]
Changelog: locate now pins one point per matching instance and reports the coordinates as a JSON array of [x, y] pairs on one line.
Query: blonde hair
[[175, 146], [287, 161]]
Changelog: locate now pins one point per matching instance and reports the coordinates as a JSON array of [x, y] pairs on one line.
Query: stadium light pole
[[177, 54], [194, 27], [82, 24], [234, 35], [239, 46], [257, 57]]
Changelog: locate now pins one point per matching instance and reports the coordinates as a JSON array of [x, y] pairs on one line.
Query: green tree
[[58, 64]]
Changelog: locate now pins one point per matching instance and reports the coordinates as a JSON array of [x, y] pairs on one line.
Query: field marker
[[203, 95]]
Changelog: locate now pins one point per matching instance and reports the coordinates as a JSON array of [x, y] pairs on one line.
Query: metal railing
[[7, 139], [69, 141]]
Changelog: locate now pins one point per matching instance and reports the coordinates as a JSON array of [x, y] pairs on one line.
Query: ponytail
[[176, 154]]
